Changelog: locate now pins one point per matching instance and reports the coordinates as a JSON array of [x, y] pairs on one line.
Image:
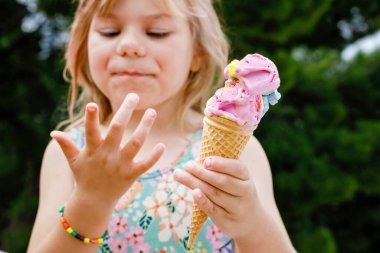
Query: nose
[[130, 45]]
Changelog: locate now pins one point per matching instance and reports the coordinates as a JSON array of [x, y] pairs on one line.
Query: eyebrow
[[157, 16], [154, 16]]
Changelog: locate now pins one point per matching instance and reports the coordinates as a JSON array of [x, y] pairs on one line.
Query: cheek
[[97, 68], [177, 63], [97, 59]]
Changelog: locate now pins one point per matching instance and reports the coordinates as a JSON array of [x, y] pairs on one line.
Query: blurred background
[[323, 139]]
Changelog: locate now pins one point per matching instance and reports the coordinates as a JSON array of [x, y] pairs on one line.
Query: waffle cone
[[221, 137]]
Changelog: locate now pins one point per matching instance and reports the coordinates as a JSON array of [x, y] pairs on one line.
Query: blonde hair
[[209, 41]]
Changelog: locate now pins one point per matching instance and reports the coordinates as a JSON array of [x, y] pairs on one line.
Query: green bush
[[322, 139]]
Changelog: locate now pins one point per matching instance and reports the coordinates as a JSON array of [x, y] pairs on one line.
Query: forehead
[[171, 7]]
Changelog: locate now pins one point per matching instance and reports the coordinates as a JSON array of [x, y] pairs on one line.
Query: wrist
[[71, 231], [88, 199], [88, 216]]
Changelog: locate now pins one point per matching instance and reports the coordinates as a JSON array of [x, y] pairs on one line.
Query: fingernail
[[207, 162], [55, 135], [91, 108], [152, 113], [160, 147], [177, 173], [189, 165], [198, 194], [133, 97]]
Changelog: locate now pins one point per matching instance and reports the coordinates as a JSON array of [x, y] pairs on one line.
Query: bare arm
[[56, 187], [103, 171], [269, 234], [56, 184]]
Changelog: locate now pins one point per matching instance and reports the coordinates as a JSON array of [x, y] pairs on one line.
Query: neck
[[167, 120]]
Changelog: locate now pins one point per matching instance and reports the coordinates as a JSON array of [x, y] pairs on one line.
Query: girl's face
[[140, 47]]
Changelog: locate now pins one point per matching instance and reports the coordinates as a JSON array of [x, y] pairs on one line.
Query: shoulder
[[255, 153], [55, 169], [56, 179]]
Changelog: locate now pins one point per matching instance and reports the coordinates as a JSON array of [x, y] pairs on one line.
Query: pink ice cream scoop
[[250, 87]]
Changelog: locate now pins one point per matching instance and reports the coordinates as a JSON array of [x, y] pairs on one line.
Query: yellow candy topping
[[231, 71]]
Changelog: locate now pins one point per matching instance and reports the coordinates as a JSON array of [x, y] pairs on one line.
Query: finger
[[219, 198], [142, 166], [205, 204], [117, 126], [92, 129], [138, 138], [67, 145], [223, 182], [232, 167]]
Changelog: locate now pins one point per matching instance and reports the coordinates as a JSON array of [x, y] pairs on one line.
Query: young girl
[[140, 62]]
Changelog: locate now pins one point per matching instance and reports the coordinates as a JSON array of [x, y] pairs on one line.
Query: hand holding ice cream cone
[[233, 113]]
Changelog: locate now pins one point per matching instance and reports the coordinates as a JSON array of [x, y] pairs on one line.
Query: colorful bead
[[75, 234]]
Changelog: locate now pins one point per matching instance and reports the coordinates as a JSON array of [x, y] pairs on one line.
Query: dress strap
[[77, 135]]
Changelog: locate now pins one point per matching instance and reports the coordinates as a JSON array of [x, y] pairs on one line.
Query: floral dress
[[154, 215]]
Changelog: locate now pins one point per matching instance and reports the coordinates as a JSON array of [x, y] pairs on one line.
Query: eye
[[109, 32], [158, 34]]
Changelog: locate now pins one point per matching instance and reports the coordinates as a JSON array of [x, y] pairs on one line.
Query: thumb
[[67, 145]]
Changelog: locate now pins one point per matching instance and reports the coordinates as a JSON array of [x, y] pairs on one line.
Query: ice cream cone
[[233, 113], [221, 137]]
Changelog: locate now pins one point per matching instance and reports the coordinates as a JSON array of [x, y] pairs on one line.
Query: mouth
[[131, 74]]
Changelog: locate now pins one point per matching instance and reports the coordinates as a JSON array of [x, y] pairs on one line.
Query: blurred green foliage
[[322, 139]]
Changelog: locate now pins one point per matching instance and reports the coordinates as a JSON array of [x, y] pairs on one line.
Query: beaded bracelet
[[75, 234]]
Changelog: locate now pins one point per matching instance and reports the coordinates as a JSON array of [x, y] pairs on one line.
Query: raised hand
[[105, 168], [224, 189]]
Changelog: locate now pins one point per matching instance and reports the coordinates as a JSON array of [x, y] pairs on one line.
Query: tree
[[30, 92], [321, 139]]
